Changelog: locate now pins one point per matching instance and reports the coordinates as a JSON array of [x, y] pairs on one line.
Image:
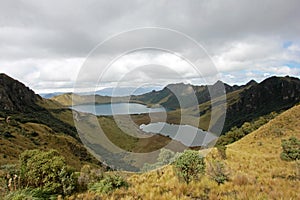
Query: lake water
[[187, 135], [116, 109]]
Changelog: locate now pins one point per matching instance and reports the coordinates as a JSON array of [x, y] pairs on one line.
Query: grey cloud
[[73, 28], [57, 30]]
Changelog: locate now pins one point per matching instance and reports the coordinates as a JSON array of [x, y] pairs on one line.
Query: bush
[[108, 184], [290, 149], [222, 151], [236, 133], [9, 177], [30, 194], [89, 176], [165, 157], [217, 172], [47, 171], [189, 165]]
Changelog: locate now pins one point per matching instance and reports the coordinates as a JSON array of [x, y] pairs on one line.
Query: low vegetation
[[253, 170], [217, 171], [166, 156], [250, 161], [189, 166], [16, 137], [36, 177], [108, 184], [236, 133], [290, 149], [55, 177]]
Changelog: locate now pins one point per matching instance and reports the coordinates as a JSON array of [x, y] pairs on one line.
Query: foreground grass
[[254, 165]]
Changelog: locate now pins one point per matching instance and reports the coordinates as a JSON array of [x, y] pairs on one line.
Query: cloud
[[44, 74], [43, 42], [250, 53]]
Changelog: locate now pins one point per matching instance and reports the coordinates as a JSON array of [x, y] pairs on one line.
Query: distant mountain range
[[243, 103], [112, 92], [43, 123]]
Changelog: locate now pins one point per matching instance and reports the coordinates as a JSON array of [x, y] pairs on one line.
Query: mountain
[[243, 103], [16, 97], [272, 94], [28, 121], [168, 96], [113, 92], [126, 91], [50, 95], [21, 103], [69, 99]]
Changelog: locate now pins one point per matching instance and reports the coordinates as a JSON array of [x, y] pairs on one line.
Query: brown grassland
[[253, 163]]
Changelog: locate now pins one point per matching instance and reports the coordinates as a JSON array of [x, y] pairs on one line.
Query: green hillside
[[29, 122], [254, 167]]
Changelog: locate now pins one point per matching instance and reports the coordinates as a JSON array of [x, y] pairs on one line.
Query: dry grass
[[38, 136], [256, 170]]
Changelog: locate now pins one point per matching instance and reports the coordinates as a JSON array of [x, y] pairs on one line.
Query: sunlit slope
[[17, 137], [256, 170], [70, 99], [257, 155]]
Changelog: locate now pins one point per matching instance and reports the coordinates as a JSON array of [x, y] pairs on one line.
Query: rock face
[[273, 94], [244, 103], [15, 96], [178, 95], [21, 103]]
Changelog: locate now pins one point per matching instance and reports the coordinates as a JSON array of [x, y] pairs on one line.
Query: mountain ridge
[[243, 103], [28, 121], [15, 96]]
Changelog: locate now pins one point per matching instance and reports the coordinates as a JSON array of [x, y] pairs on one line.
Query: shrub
[[9, 177], [290, 149], [30, 194], [236, 133], [47, 171], [108, 184], [189, 165], [222, 151], [165, 157], [217, 171], [88, 176]]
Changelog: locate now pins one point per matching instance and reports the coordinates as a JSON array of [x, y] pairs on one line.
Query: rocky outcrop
[[273, 94], [15, 96]]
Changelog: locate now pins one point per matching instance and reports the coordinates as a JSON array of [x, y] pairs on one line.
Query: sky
[[51, 46]]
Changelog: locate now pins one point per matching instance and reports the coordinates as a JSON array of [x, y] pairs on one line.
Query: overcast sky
[[45, 44]]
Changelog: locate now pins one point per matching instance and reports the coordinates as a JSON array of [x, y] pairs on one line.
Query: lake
[[186, 134], [116, 109]]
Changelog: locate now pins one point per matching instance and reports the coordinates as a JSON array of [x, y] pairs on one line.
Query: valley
[[252, 161]]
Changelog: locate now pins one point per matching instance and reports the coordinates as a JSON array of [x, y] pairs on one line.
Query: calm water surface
[[187, 135], [116, 109]]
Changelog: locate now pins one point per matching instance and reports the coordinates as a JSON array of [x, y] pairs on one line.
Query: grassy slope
[[188, 116], [257, 156], [69, 99], [256, 170], [33, 135], [118, 136]]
